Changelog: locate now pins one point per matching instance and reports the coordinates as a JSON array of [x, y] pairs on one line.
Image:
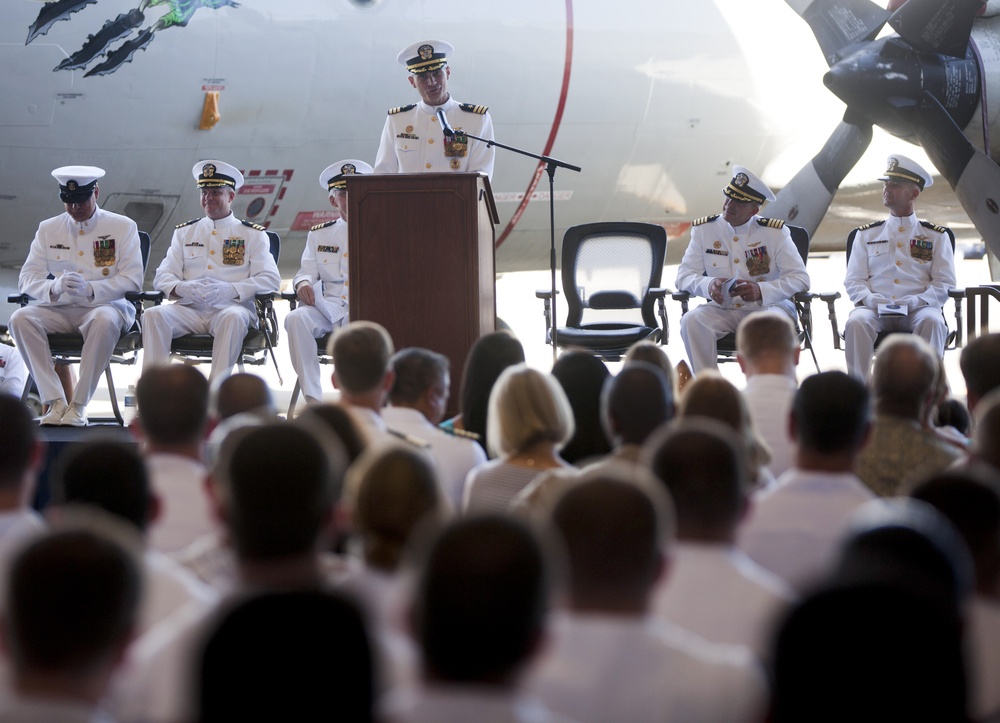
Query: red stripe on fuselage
[[553, 132]]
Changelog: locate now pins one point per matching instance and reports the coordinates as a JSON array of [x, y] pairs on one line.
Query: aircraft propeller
[[922, 85]]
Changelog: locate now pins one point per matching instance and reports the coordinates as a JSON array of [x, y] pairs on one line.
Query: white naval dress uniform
[[413, 142], [760, 250], [13, 373], [902, 261], [324, 262], [198, 250], [105, 250]]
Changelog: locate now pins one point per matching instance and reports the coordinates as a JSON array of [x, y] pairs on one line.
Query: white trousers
[[864, 325], [101, 327], [229, 326], [704, 325], [304, 325]]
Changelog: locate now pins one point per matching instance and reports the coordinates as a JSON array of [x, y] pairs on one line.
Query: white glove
[[71, 283], [192, 290], [220, 291]]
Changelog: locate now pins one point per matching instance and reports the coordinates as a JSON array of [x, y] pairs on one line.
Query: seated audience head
[[870, 652], [361, 371], [396, 490], [482, 601], [970, 499], [108, 475], [712, 396], [980, 364], [652, 353], [278, 484], [422, 382], [287, 656], [635, 402], [173, 406], [527, 407], [71, 608], [490, 355], [242, 393], [766, 343], [986, 439], [335, 420], [22, 452], [702, 464], [582, 376], [907, 544], [904, 377], [831, 415], [615, 524]]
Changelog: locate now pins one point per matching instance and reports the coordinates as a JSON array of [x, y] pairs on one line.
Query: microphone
[[445, 128]]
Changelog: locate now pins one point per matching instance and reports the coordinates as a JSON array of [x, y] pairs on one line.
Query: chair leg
[[114, 396], [295, 398], [27, 390]]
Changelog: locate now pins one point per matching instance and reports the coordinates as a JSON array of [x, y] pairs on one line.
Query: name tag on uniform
[[411, 136], [328, 249], [194, 243], [879, 241], [716, 252], [59, 247]]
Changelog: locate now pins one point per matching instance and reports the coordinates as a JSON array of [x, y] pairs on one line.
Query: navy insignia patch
[[473, 108], [255, 226], [771, 222], [402, 109], [704, 219], [187, 223]]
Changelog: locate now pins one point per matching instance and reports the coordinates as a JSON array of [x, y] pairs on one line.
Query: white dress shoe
[[55, 414], [76, 416]]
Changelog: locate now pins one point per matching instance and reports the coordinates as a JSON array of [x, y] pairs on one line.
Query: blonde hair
[[526, 407]]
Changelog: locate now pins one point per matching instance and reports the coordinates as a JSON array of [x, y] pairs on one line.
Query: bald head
[[241, 393], [904, 376]]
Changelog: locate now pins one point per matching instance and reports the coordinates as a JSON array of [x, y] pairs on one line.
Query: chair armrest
[[21, 299], [292, 297], [135, 296], [952, 293], [658, 293], [804, 297], [684, 297], [157, 297], [265, 295], [545, 293], [829, 296]]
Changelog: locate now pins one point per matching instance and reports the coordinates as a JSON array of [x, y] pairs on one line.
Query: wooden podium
[[421, 250]]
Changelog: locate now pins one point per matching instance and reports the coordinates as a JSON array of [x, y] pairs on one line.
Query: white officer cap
[[213, 174], [334, 176], [425, 55], [901, 168], [747, 187], [76, 183]]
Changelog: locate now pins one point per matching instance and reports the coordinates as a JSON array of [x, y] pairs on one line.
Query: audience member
[[794, 529], [986, 440], [980, 364], [608, 660], [529, 421], [13, 372], [900, 449], [490, 355], [653, 353], [480, 617], [768, 352], [68, 616], [418, 401], [19, 466], [172, 423], [363, 374], [242, 393], [714, 589], [582, 376], [298, 655]]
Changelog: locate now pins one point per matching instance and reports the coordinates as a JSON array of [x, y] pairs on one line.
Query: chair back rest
[[274, 245], [610, 267], [144, 250], [800, 237]]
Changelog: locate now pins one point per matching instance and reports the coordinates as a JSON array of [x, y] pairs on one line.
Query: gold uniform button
[[212, 252], [738, 306], [895, 281], [430, 140], [214, 232], [428, 165], [342, 296], [902, 228], [735, 239], [81, 253], [736, 261], [434, 119], [899, 244], [899, 263], [82, 232], [210, 266]]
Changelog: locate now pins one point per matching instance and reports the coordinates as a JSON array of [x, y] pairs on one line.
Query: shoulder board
[[873, 224], [255, 226], [771, 222], [473, 108], [402, 108], [318, 226], [704, 219], [461, 433], [187, 223], [935, 227]]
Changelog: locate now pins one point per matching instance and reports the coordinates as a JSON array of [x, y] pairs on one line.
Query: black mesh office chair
[[611, 280], [66, 348]]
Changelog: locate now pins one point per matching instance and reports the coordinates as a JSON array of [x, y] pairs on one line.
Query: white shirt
[[439, 703], [717, 592], [794, 528], [185, 511], [982, 641], [453, 457], [13, 373], [324, 263], [769, 398], [632, 668]]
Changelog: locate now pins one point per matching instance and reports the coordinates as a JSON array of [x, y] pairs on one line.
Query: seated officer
[[79, 267], [903, 266], [754, 257], [213, 269], [324, 262]]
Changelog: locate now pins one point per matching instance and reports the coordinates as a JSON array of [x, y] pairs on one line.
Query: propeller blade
[[937, 26], [973, 175], [806, 198], [840, 24]]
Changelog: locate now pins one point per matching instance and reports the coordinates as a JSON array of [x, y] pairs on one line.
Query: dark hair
[[582, 376], [832, 411], [489, 356], [173, 404], [108, 475], [18, 432]]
